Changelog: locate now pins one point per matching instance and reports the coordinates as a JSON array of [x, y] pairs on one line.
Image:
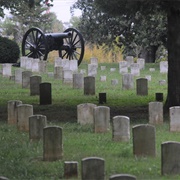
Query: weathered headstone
[[58, 62], [85, 113], [135, 70], [23, 61], [130, 60], [123, 68], [78, 81], [35, 65], [163, 67], [156, 113], [92, 70], [170, 158], [6, 70], [18, 76], [93, 168], [29, 63], [144, 140], [70, 169], [122, 177], [151, 69], [36, 125], [73, 65], [141, 63], [42, 66], [58, 72], [127, 81], [112, 69], [114, 82], [24, 112], [148, 77], [174, 113], [142, 87], [35, 82], [101, 119], [26, 79], [45, 97], [89, 85], [102, 78], [94, 61], [83, 71], [66, 64], [52, 143], [12, 111], [121, 128], [67, 76]]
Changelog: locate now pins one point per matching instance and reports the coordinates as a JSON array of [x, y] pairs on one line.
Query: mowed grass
[[23, 159]]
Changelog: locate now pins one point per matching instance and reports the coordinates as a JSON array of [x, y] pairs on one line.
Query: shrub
[[9, 51]]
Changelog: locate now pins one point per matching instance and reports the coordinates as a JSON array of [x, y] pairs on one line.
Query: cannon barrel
[[59, 35]]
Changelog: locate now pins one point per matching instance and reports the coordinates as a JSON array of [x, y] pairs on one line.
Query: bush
[[9, 51]]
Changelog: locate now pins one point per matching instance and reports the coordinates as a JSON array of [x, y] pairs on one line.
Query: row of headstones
[[143, 134]]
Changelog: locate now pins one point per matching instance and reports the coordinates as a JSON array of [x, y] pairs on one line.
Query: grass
[[22, 159]]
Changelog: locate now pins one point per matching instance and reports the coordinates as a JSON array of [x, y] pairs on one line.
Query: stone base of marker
[[52, 143], [70, 169], [122, 177]]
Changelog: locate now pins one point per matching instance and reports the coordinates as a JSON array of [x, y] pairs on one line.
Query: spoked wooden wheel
[[73, 47], [34, 44]]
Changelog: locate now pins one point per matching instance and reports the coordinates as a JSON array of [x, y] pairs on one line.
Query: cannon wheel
[[34, 44], [75, 45]]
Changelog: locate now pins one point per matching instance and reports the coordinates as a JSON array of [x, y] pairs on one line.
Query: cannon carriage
[[69, 44]]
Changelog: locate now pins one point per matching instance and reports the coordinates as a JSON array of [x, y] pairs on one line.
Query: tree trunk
[[149, 55], [173, 92]]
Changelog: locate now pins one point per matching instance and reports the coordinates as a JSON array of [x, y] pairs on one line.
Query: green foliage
[[9, 51]]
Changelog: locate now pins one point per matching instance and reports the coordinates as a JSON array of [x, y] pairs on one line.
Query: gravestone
[[73, 65], [66, 64], [121, 128], [102, 98], [93, 168], [141, 63], [70, 169], [35, 65], [45, 97], [103, 68], [67, 76], [123, 68], [89, 85], [130, 60], [58, 72], [29, 63], [12, 111], [26, 79], [35, 82], [122, 177], [6, 70], [142, 87], [174, 113], [151, 69], [94, 61], [144, 140], [127, 81], [101, 119], [148, 77], [23, 61], [18, 76], [85, 113], [170, 158], [112, 69], [83, 71], [42, 66], [24, 112], [92, 70], [114, 82], [102, 78], [156, 113], [163, 67], [58, 62], [36, 125], [52, 143], [135, 70], [162, 82], [78, 81]]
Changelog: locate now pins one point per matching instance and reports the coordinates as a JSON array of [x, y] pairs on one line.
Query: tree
[[172, 11], [101, 27]]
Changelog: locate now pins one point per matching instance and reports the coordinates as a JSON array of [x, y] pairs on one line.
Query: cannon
[[70, 44]]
